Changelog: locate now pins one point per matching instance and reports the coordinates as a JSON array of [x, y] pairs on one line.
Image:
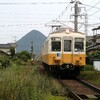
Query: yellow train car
[[64, 49]]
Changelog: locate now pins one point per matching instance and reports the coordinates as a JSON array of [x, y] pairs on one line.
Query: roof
[[6, 46], [2, 52], [98, 28]]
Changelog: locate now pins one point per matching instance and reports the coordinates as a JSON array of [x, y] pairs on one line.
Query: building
[[5, 48], [93, 42]]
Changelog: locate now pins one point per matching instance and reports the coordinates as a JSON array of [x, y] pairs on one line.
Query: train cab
[[64, 50]]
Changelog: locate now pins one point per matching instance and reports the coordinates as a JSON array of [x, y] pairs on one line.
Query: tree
[[4, 61], [12, 52], [95, 54], [24, 55]]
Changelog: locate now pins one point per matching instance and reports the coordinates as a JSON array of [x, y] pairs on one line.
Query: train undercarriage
[[65, 69]]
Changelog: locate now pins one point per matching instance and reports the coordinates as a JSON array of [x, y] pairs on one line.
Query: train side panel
[[44, 54]]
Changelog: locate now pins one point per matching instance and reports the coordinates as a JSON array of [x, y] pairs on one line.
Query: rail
[[96, 89], [76, 96]]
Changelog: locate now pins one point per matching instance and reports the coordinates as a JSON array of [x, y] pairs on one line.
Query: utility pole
[[86, 24], [32, 54], [76, 16], [76, 13]]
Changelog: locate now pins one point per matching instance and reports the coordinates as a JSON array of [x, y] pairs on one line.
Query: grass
[[91, 75], [26, 83], [51, 97]]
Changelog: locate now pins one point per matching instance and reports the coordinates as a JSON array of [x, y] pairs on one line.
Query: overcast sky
[[18, 17]]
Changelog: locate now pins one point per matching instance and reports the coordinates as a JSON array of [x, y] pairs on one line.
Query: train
[[64, 49]]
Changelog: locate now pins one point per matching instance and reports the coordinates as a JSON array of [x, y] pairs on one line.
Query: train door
[[67, 50]]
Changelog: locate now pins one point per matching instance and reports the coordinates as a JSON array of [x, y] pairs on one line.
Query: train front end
[[65, 51]]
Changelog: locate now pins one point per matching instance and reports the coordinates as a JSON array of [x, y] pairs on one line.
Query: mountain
[[33, 39]]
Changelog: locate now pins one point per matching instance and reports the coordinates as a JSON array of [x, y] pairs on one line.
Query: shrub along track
[[62, 90]]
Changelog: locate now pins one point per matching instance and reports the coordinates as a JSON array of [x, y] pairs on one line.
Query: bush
[[94, 54], [56, 88], [5, 61], [26, 83], [88, 68], [23, 83], [24, 56]]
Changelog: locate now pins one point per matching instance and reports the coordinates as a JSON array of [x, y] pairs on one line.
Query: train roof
[[65, 30]]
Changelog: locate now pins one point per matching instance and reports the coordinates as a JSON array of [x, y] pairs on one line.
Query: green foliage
[[56, 88], [24, 56], [4, 61], [88, 68], [95, 54], [51, 97], [12, 52], [91, 76], [25, 83], [17, 61]]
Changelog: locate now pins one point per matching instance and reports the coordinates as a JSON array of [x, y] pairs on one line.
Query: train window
[[67, 45], [56, 46], [79, 46]]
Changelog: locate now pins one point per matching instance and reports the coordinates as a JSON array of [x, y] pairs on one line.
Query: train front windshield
[[55, 44], [67, 45], [79, 45]]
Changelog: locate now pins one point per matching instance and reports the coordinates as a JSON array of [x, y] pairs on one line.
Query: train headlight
[[67, 31]]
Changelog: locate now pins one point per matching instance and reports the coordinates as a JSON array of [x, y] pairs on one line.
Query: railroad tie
[[88, 97]]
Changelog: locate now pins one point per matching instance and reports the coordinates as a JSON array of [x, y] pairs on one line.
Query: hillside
[[25, 43]]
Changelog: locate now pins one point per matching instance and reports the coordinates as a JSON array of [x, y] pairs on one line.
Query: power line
[[94, 6], [21, 25], [63, 12], [91, 6], [92, 1], [57, 22], [94, 13], [34, 3]]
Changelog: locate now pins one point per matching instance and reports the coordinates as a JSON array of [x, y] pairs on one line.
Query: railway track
[[81, 90], [77, 89]]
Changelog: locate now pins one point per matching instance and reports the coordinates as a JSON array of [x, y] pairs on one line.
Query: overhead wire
[[45, 3], [57, 20], [23, 25], [94, 13], [90, 6], [34, 3], [93, 7], [91, 2], [63, 12]]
